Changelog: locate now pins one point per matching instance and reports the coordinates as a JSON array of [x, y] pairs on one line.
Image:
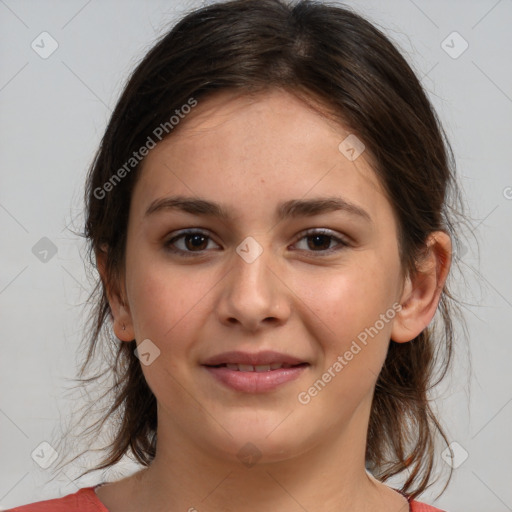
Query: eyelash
[[310, 233]]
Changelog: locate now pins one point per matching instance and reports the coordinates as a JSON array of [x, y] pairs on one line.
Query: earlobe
[[422, 291], [122, 321]]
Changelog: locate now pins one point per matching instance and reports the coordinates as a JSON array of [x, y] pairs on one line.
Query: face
[[318, 286]]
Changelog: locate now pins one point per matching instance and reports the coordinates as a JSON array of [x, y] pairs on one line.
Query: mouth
[[256, 368], [254, 372], [262, 359]]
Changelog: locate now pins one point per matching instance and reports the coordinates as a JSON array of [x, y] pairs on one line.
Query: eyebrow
[[287, 209]]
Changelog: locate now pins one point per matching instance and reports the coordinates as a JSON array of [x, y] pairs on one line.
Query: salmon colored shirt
[[86, 500]]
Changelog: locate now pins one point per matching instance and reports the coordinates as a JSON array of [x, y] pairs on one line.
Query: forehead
[[235, 147]]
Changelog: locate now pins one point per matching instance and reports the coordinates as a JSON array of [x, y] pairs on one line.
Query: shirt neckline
[[104, 509]]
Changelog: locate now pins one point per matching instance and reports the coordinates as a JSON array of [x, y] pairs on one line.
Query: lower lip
[[255, 382]]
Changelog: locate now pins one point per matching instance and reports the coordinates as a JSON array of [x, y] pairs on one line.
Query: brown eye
[[319, 241], [188, 242], [195, 241]]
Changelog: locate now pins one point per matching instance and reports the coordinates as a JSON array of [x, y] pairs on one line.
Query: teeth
[[256, 368], [262, 368]]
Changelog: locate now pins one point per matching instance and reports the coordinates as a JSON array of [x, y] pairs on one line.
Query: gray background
[[53, 114]]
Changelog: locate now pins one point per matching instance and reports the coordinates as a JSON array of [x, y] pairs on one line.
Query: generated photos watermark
[[305, 397], [158, 133]]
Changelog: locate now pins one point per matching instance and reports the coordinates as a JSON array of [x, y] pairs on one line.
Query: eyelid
[[342, 240], [182, 233]]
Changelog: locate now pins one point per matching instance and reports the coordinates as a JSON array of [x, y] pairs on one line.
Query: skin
[[250, 153]]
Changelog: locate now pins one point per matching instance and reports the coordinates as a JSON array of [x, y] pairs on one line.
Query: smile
[[255, 378], [255, 368]]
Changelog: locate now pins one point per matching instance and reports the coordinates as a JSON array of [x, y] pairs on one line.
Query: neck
[[183, 476]]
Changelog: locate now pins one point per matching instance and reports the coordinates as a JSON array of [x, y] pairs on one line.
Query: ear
[[422, 291], [116, 299]]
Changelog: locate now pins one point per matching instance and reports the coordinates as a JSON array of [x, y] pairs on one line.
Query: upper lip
[[256, 358]]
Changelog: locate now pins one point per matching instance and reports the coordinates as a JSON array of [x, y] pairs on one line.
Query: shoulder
[[417, 506], [84, 500]]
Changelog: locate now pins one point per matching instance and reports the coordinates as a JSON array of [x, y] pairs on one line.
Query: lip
[[253, 381], [254, 359]]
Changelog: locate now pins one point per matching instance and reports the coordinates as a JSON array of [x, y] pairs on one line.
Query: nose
[[253, 294]]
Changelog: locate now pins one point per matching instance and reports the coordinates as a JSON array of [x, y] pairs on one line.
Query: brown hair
[[332, 55]]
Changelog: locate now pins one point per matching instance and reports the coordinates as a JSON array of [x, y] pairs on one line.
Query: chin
[[261, 443]]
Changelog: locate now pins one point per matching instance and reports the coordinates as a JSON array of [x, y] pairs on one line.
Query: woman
[[268, 212]]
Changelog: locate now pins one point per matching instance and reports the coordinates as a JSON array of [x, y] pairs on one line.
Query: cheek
[[348, 299], [345, 313], [166, 308], [164, 301]]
